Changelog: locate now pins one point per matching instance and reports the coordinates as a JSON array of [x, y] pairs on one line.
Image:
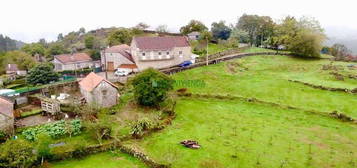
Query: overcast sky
[[29, 20]]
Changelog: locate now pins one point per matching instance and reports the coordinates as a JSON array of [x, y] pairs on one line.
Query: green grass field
[[102, 160], [266, 78], [240, 134], [235, 133]]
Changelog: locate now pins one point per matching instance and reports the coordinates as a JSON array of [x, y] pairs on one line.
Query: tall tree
[[42, 74], [220, 30], [339, 51], [192, 26], [23, 60], [259, 28], [162, 29], [142, 26], [34, 48], [120, 36], [303, 38]]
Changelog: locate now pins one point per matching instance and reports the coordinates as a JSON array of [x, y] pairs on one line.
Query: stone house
[[12, 69], [194, 35], [74, 61], [160, 52], [6, 115], [118, 56], [98, 91]]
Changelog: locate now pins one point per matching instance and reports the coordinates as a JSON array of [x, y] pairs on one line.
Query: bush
[[99, 130], [17, 153], [55, 130], [139, 126], [3, 136], [151, 87], [42, 74]]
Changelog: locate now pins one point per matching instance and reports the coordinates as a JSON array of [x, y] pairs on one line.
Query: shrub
[[17, 153], [42, 74], [3, 136], [99, 130], [139, 126], [151, 87], [55, 130]]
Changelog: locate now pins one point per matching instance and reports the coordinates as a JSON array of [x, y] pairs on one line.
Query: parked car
[[185, 64], [122, 72]]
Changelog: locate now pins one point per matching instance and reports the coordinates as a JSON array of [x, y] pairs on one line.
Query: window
[[143, 54], [78, 65], [180, 52], [167, 53], [159, 53]]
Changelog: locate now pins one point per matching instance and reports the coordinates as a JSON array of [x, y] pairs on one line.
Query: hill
[[8, 44]]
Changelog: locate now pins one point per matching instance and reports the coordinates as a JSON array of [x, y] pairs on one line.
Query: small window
[[143, 54], [180, 52], [159, 53], [167, 53], [104, 92]]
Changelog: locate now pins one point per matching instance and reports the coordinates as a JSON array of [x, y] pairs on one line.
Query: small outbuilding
[[194, 35], [99, 91], [6, 115]]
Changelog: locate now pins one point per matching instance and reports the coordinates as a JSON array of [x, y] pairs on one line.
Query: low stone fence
[[334, 114], [352, 91], [222, 53], [217, 60]]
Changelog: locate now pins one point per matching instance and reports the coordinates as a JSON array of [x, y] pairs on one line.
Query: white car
[[122, 72]]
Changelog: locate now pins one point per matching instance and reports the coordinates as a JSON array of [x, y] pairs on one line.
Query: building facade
[[116, 56], [160, 52], [98, 91], [73, 62], [6, 115]]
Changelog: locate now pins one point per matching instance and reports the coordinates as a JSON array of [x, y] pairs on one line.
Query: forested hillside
[[8, 44]]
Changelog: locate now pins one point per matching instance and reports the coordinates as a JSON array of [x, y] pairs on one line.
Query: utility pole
[[105, 64], [207, 51]]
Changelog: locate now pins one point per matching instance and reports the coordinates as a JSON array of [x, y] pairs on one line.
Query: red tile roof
[[117, 48], [123, 49], [91, 81], [161, 43], [128, 66], [6, 107], [73, 58]]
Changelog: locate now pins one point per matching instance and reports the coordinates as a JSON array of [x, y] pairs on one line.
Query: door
[[110, 66]]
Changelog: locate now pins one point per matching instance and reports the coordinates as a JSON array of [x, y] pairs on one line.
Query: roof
[[123, 49], [117, 48], [73, 58], [161, 43], [128, 66], [195, 33], [91, 81], [6, 107], [11, 67]]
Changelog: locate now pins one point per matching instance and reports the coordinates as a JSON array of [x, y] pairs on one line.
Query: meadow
[[237, 133], [241, 134]]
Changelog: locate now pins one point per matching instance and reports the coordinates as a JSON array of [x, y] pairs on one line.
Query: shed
[[6, 115], [98, 91]]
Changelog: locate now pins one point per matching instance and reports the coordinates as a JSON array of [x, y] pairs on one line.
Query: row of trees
[[303, 37]]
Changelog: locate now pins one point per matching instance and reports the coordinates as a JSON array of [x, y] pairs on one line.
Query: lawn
[[267, 78], [257, 49], [241, 134], [101, 160]]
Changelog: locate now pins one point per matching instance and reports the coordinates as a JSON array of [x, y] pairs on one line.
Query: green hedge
[[80, 71]]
